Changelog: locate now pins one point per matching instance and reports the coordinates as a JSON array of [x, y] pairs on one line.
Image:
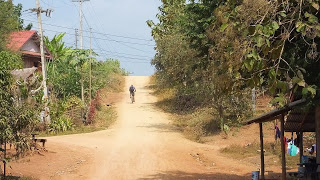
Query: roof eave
[[274, 114]]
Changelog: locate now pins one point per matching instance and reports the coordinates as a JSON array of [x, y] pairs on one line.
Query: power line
[[100, 24], [107, 39], [101, 52], [106, 34]]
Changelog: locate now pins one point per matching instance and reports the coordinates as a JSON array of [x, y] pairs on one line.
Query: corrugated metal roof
[[300, 120], [275, 114]]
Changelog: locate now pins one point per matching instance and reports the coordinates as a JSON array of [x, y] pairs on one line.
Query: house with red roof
[[28, 44]]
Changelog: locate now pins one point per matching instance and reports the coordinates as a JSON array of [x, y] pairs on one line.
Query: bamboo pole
[[262, 151]]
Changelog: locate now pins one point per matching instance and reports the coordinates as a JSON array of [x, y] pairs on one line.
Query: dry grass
[[252, 151], [194, 124], [116, 83]]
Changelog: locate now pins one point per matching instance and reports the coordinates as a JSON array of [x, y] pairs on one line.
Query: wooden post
[[262, 151], [5, 161], [301, 146], [283, 153], [317, 129]]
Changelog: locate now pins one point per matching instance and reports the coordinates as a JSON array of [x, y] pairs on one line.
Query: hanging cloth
[[278, 132], [289, 148], [285, 144], [293, 150]]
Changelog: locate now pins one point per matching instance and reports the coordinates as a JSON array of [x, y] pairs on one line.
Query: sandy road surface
[[142, 145]]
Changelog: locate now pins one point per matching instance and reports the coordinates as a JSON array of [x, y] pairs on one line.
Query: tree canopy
[[215, 51], [10, 20]]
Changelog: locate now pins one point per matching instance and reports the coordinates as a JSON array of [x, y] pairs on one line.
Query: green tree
[[10, 20], [184, 59], [18, 115], [270, 44], [56, 46]]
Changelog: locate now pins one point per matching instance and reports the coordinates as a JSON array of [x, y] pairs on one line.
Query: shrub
[[61, 124]]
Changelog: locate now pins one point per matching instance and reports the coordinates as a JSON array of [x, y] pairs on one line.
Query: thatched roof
[[23, 73]]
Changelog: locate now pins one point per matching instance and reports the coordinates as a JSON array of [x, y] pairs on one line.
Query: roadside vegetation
[[212, 53], [76, 81]]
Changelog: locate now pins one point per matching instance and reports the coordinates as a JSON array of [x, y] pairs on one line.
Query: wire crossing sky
[[119, 28]]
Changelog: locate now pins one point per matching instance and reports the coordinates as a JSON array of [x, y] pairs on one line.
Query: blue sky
[[119, 28]]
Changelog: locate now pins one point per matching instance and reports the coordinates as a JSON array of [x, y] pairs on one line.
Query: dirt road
[[140, 145]]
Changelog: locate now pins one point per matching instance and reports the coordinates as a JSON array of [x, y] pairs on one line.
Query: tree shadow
[[180, 175], [10, 177]]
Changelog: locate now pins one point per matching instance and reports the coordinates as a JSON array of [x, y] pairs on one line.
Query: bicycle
[[132, 98]]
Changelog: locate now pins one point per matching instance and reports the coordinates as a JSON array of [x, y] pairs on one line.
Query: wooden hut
[[293, 119]]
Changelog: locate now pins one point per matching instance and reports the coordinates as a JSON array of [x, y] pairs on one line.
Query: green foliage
[[271, 53], [56, 46], [63, 78], [60, 124], [10, 20], [198, 63], [17, 12], [68, 79], [18, 114], [73, 102]]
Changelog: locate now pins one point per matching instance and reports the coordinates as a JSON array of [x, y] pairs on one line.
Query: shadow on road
[[177, 175]]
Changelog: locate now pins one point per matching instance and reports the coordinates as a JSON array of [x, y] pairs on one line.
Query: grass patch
[[197, 124]]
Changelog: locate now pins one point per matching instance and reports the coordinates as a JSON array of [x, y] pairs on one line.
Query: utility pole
[[81, 41], [38, 10], [76, 36], [90, 79], [80, 15], [81, 30]]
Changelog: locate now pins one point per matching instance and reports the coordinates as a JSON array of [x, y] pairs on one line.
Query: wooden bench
[[43, 141], [35, 140]]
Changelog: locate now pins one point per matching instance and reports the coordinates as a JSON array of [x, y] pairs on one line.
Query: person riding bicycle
[[132, 89]]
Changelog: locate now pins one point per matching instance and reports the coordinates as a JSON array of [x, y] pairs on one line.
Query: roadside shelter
[[292, 119]]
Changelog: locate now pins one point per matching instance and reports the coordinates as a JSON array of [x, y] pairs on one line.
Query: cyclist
[[132, 89]]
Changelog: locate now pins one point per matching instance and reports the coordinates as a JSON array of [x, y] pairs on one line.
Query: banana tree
[[57, 49], [80, 59]]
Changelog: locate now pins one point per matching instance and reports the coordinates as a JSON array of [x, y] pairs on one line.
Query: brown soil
[[141, 145]]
